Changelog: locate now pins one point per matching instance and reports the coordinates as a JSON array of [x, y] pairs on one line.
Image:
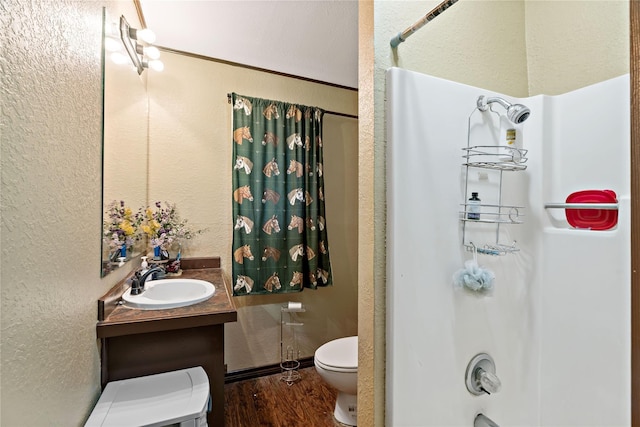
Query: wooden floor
[[270, 402]]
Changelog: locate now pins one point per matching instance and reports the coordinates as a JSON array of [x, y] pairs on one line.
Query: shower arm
[[483, 103], [400, 37]]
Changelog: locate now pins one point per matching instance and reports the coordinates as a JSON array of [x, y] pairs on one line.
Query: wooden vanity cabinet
[[143, 342]]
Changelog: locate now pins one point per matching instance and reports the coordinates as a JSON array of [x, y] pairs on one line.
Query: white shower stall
[[557, 322]]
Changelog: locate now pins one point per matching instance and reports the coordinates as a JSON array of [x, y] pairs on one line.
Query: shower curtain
[[279, 237]]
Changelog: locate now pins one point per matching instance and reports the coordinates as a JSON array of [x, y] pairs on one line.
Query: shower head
[[517, 113]]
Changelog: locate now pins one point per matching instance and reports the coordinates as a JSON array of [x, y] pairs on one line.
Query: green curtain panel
[[279, 234]]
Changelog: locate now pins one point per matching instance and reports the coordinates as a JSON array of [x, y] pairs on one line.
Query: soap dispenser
[[144, 265]]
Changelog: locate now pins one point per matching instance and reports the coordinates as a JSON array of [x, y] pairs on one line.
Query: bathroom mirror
[[125, 120]]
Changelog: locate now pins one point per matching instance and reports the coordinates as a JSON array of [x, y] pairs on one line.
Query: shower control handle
[[489, 381], [481, 377]]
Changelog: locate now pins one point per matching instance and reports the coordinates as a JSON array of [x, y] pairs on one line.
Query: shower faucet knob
[[489, 381], [481, 377]]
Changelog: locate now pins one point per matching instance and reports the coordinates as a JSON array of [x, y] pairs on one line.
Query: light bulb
[[152, 52], [156, 65], [146, 35]]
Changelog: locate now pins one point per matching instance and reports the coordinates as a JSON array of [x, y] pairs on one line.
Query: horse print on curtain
[[279, 234]]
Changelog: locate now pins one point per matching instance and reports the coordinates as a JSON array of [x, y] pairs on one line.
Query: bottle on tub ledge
[[473, 207]]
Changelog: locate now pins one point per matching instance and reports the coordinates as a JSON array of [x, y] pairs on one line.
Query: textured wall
[[572, 44], [51, 203], [190, 163], [480, 43], [371, 298]]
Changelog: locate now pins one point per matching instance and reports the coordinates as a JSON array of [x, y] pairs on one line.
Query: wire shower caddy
[[500, 158]]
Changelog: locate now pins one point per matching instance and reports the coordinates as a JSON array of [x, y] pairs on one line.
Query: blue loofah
[[474, 277]]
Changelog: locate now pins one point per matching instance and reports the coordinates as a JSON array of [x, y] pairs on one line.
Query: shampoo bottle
[[473, 207]]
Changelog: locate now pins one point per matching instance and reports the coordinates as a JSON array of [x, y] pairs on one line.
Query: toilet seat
[[340, 355], [154, 400]]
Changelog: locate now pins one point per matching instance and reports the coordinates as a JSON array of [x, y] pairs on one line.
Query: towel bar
[[604, 206]]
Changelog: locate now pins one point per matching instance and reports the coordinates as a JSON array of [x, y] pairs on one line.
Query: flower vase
[[123, 251], [156, 253]]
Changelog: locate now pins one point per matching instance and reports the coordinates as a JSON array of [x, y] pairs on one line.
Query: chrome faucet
[[138, 280], [484, 421]]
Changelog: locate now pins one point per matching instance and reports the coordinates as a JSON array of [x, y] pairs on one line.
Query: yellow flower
[[151, 227], [127, 227]]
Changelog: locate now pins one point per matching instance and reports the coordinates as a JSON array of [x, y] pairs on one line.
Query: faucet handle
[[489, 381], [481, 377], [135, 283]]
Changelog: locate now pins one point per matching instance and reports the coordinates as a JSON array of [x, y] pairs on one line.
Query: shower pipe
[[400, 37], [335, 113]]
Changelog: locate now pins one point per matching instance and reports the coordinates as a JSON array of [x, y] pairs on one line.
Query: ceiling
[[312, 39]]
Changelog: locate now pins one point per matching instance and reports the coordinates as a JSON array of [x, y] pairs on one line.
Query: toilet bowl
[[337, 363], [177, 398]]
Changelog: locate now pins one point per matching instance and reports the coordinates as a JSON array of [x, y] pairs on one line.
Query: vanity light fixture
[[138, 45]]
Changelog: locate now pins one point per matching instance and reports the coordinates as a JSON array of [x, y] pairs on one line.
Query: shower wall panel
[[586, 275], [538, 321], [433, 329]]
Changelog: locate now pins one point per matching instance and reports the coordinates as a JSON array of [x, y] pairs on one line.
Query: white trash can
[[171, 398]]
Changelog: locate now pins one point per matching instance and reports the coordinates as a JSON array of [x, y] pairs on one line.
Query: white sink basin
[[170, 293]]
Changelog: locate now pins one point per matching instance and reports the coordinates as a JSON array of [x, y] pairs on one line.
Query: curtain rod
[[335, 113], [400, 37]]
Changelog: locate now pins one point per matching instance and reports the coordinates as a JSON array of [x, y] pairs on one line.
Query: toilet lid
[[154, 400], [341, 353]]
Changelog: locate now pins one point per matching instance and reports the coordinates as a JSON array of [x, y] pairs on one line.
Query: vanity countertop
[[116, 320]]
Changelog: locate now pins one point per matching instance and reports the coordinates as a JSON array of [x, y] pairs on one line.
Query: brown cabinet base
[[136, 355]]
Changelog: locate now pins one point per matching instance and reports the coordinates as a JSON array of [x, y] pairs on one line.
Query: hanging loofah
[[473, 277]]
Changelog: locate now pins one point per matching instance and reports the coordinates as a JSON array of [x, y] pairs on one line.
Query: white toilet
[[177, 398], [337, 363]]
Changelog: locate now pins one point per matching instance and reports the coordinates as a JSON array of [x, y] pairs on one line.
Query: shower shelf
[[494, 214], [496, 249], [499, 158]]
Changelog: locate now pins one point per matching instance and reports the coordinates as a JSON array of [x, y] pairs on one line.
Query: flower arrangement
[[164, 226], [121, 225]]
